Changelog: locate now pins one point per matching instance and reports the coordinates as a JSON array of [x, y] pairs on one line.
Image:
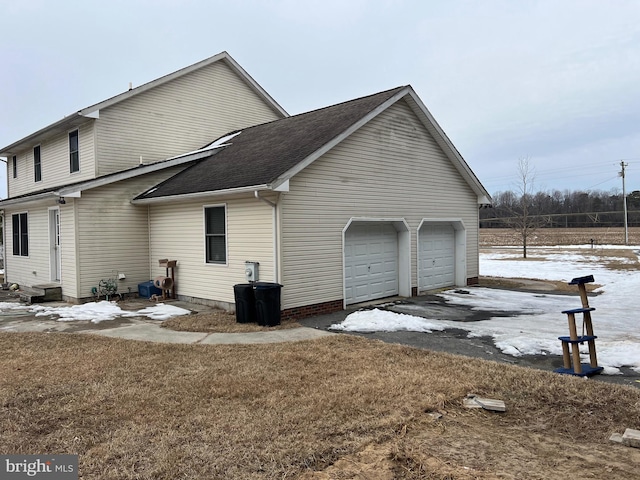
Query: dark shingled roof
[[260, 154]]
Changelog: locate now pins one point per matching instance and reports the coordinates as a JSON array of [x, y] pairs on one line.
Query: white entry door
[[371, 261], [54, 244], [436, 253]]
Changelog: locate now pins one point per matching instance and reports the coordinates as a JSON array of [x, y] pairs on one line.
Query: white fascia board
[[54, 129], [154, 83], [91, 114], [452, 152], [30, 199], [74, 194], [197, 195], [75, 191], [254, 85], [93, 111], [281, 186], [184, 71], [328, 146], [127, 174]]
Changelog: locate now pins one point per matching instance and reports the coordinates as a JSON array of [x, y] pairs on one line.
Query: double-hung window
[[37, 164], [74, 152], [20, 234], [215, 234]]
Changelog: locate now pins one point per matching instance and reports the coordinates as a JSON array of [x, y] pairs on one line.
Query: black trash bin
[[267, 303], [245, 303]]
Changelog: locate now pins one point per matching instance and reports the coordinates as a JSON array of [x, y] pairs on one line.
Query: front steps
[[48, 292]]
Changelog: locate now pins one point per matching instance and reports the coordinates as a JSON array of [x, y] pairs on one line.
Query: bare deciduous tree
[[525, 216]]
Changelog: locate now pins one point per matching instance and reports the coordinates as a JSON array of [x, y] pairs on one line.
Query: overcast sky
[[557, 81]]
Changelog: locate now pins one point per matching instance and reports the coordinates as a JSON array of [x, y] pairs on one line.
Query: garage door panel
[[361, 271], [371, 262], [361, 291], [437, 256]]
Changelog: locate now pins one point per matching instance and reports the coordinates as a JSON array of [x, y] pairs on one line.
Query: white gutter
[[71, 120], [33, 198], [133, 172], [4, 245], [196, 195], [276, 237], [74, 191]]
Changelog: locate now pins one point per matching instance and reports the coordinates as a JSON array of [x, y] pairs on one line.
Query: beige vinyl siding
[[54, 154], [34, 269], [392, 167], [69, 248], [177, 117], [113, 234], [177, 233]]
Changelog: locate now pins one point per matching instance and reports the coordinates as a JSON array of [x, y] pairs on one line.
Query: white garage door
[[371, 261], [436, 252]]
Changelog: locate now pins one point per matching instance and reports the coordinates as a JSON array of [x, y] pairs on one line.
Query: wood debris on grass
[[473, 401]]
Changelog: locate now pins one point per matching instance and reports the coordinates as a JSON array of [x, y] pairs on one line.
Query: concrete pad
[[149, 332], [31, 326], [276, 336]]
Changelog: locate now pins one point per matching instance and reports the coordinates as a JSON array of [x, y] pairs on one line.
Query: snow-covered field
[[536, 331]]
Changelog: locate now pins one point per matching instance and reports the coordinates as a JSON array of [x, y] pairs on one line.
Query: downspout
[[275, 234], [4, 245], [149, 240]]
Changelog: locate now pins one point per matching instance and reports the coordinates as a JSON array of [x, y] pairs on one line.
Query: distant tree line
[[566, 209]]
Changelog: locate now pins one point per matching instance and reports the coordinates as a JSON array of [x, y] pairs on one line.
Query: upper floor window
[[215, 234], [37, 164], [20, 234], [74, 153], [14, 165]]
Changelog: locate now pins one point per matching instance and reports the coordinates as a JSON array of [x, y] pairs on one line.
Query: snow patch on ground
[[382, 321], [97, 312], [537, 322]]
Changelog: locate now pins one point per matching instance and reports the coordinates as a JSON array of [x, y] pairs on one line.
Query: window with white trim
[[37, 164], [215, 234], [20, 234], [74, 152]]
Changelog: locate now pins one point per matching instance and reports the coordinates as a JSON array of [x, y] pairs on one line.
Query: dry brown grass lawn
[[560, 236], [340, 407], [218, 321], [531, 283]]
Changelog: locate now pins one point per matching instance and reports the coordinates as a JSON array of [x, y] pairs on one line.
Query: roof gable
[[268, 155], [93, 111]]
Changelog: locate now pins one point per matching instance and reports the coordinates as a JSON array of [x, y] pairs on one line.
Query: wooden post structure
[[571, 362], [169, 265]]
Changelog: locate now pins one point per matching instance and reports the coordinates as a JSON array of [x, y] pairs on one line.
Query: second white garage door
[[371, 261], [436, 251]]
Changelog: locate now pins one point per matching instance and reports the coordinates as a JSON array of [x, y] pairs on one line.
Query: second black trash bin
[[267, 303], [245, 303]]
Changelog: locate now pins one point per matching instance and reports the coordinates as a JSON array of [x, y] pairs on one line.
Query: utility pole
[[624, 202]]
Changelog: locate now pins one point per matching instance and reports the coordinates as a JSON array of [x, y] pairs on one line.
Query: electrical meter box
[[251, 271]]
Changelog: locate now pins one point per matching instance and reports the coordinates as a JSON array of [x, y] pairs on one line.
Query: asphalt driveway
[[455, 340], [451, 340]]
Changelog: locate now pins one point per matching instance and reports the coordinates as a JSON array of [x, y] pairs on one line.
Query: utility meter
[[251, 271]]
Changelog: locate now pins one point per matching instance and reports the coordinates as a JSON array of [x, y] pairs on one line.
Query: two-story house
[[361, 200]]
